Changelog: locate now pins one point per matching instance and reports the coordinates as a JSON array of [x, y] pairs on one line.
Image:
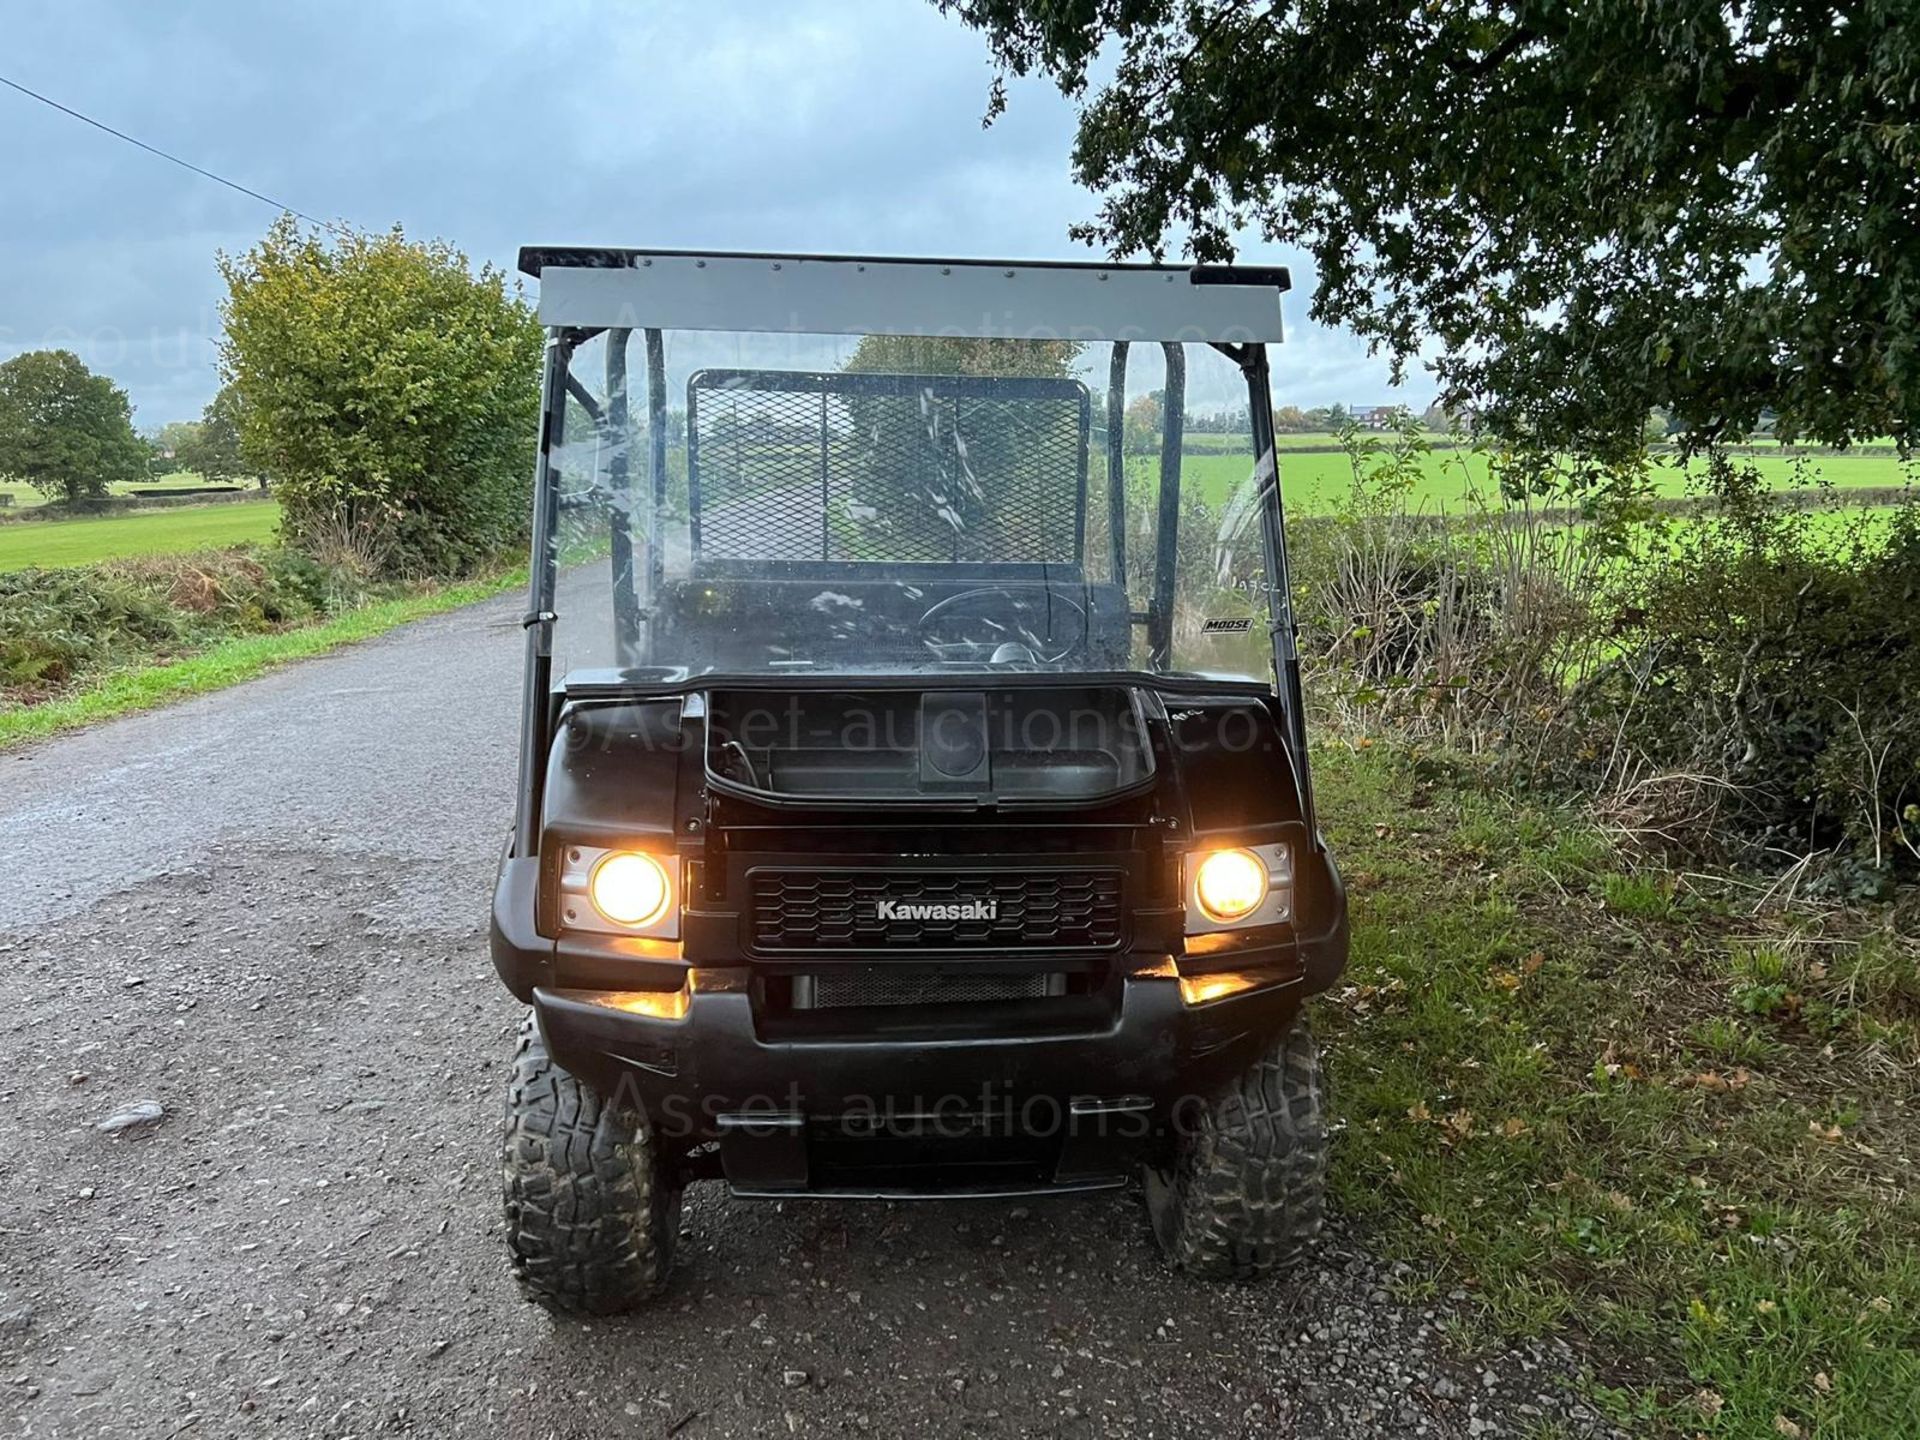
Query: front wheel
[[591, 1218], [1244, 1193]]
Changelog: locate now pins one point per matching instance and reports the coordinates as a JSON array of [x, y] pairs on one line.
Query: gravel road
[[265, 910]]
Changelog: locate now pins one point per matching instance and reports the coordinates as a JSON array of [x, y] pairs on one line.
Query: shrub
[[1470, 626], [55, 624], [60, 626], [1743, 678], [1780, 659], [390, 391]]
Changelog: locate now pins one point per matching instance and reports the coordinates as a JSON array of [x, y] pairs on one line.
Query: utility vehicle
[[913, 794]]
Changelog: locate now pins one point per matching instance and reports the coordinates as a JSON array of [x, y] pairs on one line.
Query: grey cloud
[[810, 127]]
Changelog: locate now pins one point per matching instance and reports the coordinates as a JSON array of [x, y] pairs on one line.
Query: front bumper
[[1010, 1098]]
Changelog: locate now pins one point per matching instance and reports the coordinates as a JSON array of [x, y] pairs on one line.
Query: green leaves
[[390, 391], [64, 429], [211, 445], [1594, 210]]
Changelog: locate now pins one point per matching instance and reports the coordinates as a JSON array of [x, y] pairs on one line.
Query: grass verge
[[231, 661], [1660, 1109]]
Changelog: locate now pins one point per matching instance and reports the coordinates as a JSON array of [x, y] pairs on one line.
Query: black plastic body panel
[[614, 768], [1066, 745], [1233, 763]]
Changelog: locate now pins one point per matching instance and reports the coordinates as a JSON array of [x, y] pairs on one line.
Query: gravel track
[[265, 910]]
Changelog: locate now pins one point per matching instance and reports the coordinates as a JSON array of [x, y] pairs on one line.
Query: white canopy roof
[[851, 295]]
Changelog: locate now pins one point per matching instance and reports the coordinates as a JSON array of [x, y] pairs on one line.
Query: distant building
[[1376, 417]]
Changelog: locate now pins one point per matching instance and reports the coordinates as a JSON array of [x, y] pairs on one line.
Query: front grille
[[816, 911], [832, 990]]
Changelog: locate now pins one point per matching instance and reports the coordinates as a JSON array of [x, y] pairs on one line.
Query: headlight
[[629, 888], [1238, 887], [1230, 884], [619, 892]]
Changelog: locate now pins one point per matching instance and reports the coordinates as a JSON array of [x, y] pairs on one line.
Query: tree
[[391, 392], [213, 449], [1596, 210], [950, 355], [165, 443], [65, 430], [1143, 424], [1289, 418]]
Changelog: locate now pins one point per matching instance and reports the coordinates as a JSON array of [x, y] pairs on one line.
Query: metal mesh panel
[[788, 465]]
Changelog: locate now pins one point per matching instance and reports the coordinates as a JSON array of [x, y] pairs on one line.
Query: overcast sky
[[834, 125]]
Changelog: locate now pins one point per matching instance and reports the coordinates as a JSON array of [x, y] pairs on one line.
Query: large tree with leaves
[[64, 429], [1591, 210], [213, 446], [390, 390]]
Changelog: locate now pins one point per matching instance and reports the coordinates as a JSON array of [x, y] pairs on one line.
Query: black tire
[[590, 1218], [1245, 1191]]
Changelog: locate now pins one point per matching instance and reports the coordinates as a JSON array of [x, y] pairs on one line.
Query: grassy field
[[83, 542], [26, 497], [1315, 482], [1648, 1107], [1204, 440]]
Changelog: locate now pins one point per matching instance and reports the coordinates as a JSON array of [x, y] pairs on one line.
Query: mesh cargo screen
[[850, 466]]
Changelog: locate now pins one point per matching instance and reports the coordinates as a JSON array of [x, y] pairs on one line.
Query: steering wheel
[[1039, 616]]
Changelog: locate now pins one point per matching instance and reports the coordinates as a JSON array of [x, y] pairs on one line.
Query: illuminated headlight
[[1230, 889], [629, 888], [1230, 884], [618, 892]]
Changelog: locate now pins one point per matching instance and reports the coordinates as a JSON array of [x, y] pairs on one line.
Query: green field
[[1315, 482], [1209, 440], [26, 497], [52, 543]]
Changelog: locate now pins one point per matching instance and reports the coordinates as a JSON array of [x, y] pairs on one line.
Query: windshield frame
[[635, 587]]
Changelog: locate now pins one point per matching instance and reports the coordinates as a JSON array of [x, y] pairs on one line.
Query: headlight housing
[[1235, 887], [619, 892]]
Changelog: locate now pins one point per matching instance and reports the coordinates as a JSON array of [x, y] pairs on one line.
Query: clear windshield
[[758, 503]]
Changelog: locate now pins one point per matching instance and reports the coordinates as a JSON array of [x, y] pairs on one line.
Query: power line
[[164, 155]]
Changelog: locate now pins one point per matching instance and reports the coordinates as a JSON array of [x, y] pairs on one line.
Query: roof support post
[[537, 679], [1173, 420]]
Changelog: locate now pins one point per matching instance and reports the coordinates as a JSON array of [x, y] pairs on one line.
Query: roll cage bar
[[634, 594]]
